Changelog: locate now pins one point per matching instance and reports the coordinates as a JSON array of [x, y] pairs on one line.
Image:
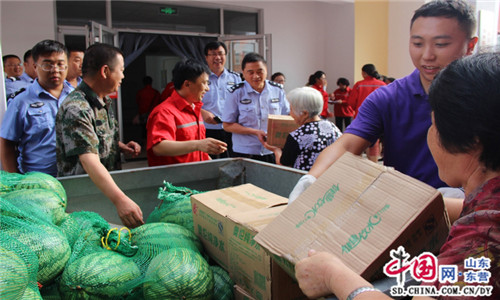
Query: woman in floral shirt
[[303, 145]]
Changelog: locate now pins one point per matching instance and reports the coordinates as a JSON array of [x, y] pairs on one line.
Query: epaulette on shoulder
[[234, 73], [276, 84], [13, 95], [236, 86]]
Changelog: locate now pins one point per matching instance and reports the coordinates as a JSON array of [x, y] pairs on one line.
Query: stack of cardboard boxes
[[357, 210]]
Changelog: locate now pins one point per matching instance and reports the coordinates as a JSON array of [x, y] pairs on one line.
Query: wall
[[370, 35], [24, 23]]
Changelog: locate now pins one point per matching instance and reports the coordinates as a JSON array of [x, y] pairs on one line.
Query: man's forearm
[[238, 128]]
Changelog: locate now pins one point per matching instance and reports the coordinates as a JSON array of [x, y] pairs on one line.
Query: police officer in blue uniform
[[248, 107], [221, 81], [29, 122]]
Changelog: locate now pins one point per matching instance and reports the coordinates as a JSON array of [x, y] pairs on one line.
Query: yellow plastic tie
[[105, 242]]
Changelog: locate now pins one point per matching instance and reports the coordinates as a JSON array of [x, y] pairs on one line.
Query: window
[[78, 13], [240, 23]]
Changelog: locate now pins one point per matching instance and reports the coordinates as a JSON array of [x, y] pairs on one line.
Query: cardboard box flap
[[365, 207], [258, 219], [244, 197]]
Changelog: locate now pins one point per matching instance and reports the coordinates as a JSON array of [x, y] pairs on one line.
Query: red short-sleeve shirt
[[175, 120]]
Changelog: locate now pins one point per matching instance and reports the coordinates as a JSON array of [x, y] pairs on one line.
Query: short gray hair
[[305, 99]]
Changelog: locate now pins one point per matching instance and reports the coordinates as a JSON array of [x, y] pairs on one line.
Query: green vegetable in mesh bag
[[152, 239], [104, 273], [223, 285], [8, 181], [14, 277], [81, 224], [31, 293], [40, 203], [38, 180], [45, 240], [175, 206], [178, 274]]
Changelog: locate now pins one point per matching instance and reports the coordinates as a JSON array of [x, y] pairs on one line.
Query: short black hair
[[98, 55], [371, 71], [465, 99], [214, 46], [47, 47], [313, 77], [7, 56], [252, 57], [273, 77], [343, 81], [188, 69], [27, 55], [147, 80], [458, 9]]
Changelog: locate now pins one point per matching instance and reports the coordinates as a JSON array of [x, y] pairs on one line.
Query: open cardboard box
[[226, 222], [359, 210], [278, 128]]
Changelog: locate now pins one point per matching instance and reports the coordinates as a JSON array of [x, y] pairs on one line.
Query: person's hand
[[129, 212], [208, 117], [262, 136], [212, 146], [337, 101], [303, 183], [314, 273], [132, 148], [270, 147]]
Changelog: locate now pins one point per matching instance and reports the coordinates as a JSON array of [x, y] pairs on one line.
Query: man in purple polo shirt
[[440, 32]]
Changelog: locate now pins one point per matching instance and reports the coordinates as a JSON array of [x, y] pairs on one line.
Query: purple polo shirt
[[401, 114]]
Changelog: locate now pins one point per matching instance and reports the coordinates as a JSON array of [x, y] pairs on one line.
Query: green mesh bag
[[31, 180], [41, 203], [18, 268], [178, 273], [51, 291], [103, 274], [154, 238], [174, 207], [223, 285], [84, 225], [31, 293], [44, 239]]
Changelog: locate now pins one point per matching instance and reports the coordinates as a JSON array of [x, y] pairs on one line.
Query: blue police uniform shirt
[[26, 78], [78, 81], [12, 85], [30, 122], [251, 109], [215, 98]]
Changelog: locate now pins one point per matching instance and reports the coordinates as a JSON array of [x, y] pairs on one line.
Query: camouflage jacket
[[85, 124]]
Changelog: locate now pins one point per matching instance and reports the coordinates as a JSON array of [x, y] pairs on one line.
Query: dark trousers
[[342, 122], [226, 137], [265, 158]]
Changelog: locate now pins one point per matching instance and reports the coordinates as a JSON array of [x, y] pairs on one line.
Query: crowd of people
[[60, 121]]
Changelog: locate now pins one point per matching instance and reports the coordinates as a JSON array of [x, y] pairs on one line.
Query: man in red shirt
[[176, 133]]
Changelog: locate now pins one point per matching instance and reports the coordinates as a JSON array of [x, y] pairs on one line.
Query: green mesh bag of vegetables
[[174, 207], [41, 203], [44, 239], [178, 273], [18, 268], [152, 239], [31, 180], [223, 285], [84, 225], [105, 273]]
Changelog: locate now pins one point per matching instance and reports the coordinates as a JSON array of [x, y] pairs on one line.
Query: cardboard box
[[211, 211], [278, 128], [241, 294], [359, 210], [241, 212]]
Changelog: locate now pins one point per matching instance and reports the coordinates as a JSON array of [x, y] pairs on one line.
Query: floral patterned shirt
[[303, 145]]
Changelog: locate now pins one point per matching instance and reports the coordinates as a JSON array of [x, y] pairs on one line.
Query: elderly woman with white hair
[[303, 145]]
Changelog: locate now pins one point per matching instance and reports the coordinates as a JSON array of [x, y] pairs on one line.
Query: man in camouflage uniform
[[87, 131]]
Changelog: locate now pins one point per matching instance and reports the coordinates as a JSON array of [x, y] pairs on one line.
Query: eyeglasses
[[48, 67], [217, 54], [14, 65]]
